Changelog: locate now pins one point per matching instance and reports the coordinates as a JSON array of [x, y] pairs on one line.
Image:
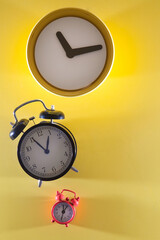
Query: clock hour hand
[[83, 50], [47, 145], [67, 48]]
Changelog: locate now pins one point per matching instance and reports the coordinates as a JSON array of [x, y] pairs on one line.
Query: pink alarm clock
[[63, 211]]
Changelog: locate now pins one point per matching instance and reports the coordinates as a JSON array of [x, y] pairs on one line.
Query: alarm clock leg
[[66, 224], [52, 220], [39, 183], [74, 169]]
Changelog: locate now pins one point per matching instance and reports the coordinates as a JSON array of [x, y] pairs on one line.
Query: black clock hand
[[38, 144], [47, 145], [62, 216], [67, 48], [63, 212], [83, 50], [65, 208], [76, 51]]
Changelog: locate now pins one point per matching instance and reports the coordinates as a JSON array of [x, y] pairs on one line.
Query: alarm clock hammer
[[47, 150]]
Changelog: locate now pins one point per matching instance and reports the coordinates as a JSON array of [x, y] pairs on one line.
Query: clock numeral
[[62, 163], [34, 166], [31, 139], [39, 133], [59, 135], [65, 154], [28, 148], [53, 169], [49, 132], [65, 143], [44, 169], [27, 158]]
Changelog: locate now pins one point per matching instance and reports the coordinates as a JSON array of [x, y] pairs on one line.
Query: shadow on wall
[[124, 148], [118, 215], [25, 212]]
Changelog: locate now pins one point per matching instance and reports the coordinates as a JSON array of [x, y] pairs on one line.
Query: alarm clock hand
[[47, 145], [62, 216], [38, 144], [65, 208], [67, 48], [83, 50], [63, 211]]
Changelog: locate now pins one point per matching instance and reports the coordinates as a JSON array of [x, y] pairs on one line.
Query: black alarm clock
[[47, 150]]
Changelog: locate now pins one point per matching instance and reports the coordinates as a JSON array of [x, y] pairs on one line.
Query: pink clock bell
[[63, 211]]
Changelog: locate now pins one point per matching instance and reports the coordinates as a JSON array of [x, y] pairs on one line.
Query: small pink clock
[[63, 211]]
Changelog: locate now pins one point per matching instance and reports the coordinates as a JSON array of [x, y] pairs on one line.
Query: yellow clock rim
[[70, 12]]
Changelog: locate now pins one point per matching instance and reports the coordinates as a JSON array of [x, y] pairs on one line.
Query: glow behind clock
[[70, 52]]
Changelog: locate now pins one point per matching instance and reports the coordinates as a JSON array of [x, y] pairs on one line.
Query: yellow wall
[[117, 128]]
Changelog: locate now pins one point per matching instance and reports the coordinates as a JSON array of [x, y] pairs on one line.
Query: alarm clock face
[[70, 52], [46, 151], [63, 212]]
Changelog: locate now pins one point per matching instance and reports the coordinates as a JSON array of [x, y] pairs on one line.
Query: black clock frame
[[69, 135]]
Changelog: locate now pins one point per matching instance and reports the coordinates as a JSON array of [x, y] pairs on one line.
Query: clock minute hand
[[39, 144], [65, 208], [67, 48], [63, 212], [83, 50]]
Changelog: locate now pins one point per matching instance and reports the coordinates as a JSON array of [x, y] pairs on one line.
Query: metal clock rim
[[69, 133], [74, 147], [52, 210]]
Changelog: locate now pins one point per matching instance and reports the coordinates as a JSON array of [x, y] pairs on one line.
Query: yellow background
[[117, 128]]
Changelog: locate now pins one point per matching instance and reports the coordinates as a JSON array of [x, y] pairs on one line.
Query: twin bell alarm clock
[[63, 211], [47, 150]]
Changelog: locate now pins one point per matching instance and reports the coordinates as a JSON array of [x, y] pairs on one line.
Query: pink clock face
[[63, 212]]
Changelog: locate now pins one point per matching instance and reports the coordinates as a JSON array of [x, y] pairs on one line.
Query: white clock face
[[62, 71], [63, 212], [70, 52], [46, 152]]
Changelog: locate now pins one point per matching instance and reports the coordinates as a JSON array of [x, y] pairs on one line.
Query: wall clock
[[70, 52], [47, 150], [63, 211]]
